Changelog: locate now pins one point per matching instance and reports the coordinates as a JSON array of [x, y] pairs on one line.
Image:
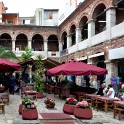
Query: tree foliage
[[7, 53], [27, 54], [39, 70]]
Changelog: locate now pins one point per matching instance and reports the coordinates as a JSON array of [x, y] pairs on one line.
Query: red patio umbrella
[[8, 66], [76, 68]]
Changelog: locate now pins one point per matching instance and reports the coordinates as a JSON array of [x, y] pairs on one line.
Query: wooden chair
[[118, 111], [2, 106]]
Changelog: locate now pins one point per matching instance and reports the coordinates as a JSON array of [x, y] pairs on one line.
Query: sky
[[27, 8]]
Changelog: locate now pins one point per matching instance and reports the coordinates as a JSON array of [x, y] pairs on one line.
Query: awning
[[82, 58], [117, 53], [96, 55]]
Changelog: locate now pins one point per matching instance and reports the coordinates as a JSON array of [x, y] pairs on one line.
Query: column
[[91, 28], [110, 17], [30, 73], [45, 45], [30, 44], [13, 45], [78, 35], [46, 48], [60, 45], [112, 69], [68, 41]]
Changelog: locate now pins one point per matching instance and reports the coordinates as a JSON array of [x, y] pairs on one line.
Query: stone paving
[[11, 112]]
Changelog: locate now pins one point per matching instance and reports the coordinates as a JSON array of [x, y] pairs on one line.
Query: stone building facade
[[93, 33]]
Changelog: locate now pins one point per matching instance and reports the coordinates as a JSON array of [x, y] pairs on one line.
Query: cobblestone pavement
[[11, 112]]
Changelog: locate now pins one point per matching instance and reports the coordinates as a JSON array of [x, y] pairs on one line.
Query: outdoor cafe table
[[92, 97], [106, 101], [118, 104], [31, 93]]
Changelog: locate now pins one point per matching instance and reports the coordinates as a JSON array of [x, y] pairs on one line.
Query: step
[[21, 121]]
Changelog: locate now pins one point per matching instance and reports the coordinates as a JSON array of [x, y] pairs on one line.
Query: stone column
[[13, 45], [30, 44], [110, 17], [30, 73], [68, 41], [46, 48], [91, 28], [112, 69], [78, 35], [45, 45], [60, 45]]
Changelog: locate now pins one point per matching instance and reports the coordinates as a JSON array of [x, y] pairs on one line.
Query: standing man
[[12, 82]]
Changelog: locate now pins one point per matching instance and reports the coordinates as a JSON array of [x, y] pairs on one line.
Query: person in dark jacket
[[100, 90], [12, 84]]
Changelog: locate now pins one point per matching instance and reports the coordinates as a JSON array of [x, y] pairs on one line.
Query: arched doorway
[[99, 15], [83, 25], [53, 44], [21, 42], [64, 40], [37, 43], [6, 40], [73, 35]]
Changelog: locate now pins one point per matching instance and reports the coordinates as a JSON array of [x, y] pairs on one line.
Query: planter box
[[49, 106], [29, 114], [39, 95], [83, 113], [68, 109], [20, 109]]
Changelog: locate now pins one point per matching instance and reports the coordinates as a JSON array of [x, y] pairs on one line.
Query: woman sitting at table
[[111, 92]]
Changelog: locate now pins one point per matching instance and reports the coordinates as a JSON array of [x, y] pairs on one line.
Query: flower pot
[[83, 113], [49, 106], [68, 109], [20, 109], [29, 114], [39, 95]]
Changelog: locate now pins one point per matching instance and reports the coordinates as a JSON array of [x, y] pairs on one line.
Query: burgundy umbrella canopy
[[8, 66], [76, 68]]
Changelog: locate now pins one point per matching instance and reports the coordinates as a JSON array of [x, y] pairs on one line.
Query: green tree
[[7, 53], [27, 54], [39, 70]]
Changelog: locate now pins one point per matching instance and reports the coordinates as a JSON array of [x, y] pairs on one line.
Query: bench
[[119, 111]]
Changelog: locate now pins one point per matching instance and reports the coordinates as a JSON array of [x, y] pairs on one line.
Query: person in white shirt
[[111, 92]]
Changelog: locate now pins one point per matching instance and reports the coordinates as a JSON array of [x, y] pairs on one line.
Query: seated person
[[111, 92], [100, 90]]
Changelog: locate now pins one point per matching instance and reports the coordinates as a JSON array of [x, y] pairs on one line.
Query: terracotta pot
[[20, 109], [39, 95], [83, 113], [29, 114], [68, 109], [49, 106]]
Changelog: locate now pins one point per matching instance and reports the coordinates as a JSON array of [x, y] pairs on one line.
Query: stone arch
[[53, 44], [99, 16], [21, 41], [72, 34], [72, 24], [81, 16], [37, 42], [64, 40], [6, 40], [97, 3], [83, 25]]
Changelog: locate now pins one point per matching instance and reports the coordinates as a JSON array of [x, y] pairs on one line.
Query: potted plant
[[39, 70], [50, 103], [69, 105], [29, 111], [83, 110]]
